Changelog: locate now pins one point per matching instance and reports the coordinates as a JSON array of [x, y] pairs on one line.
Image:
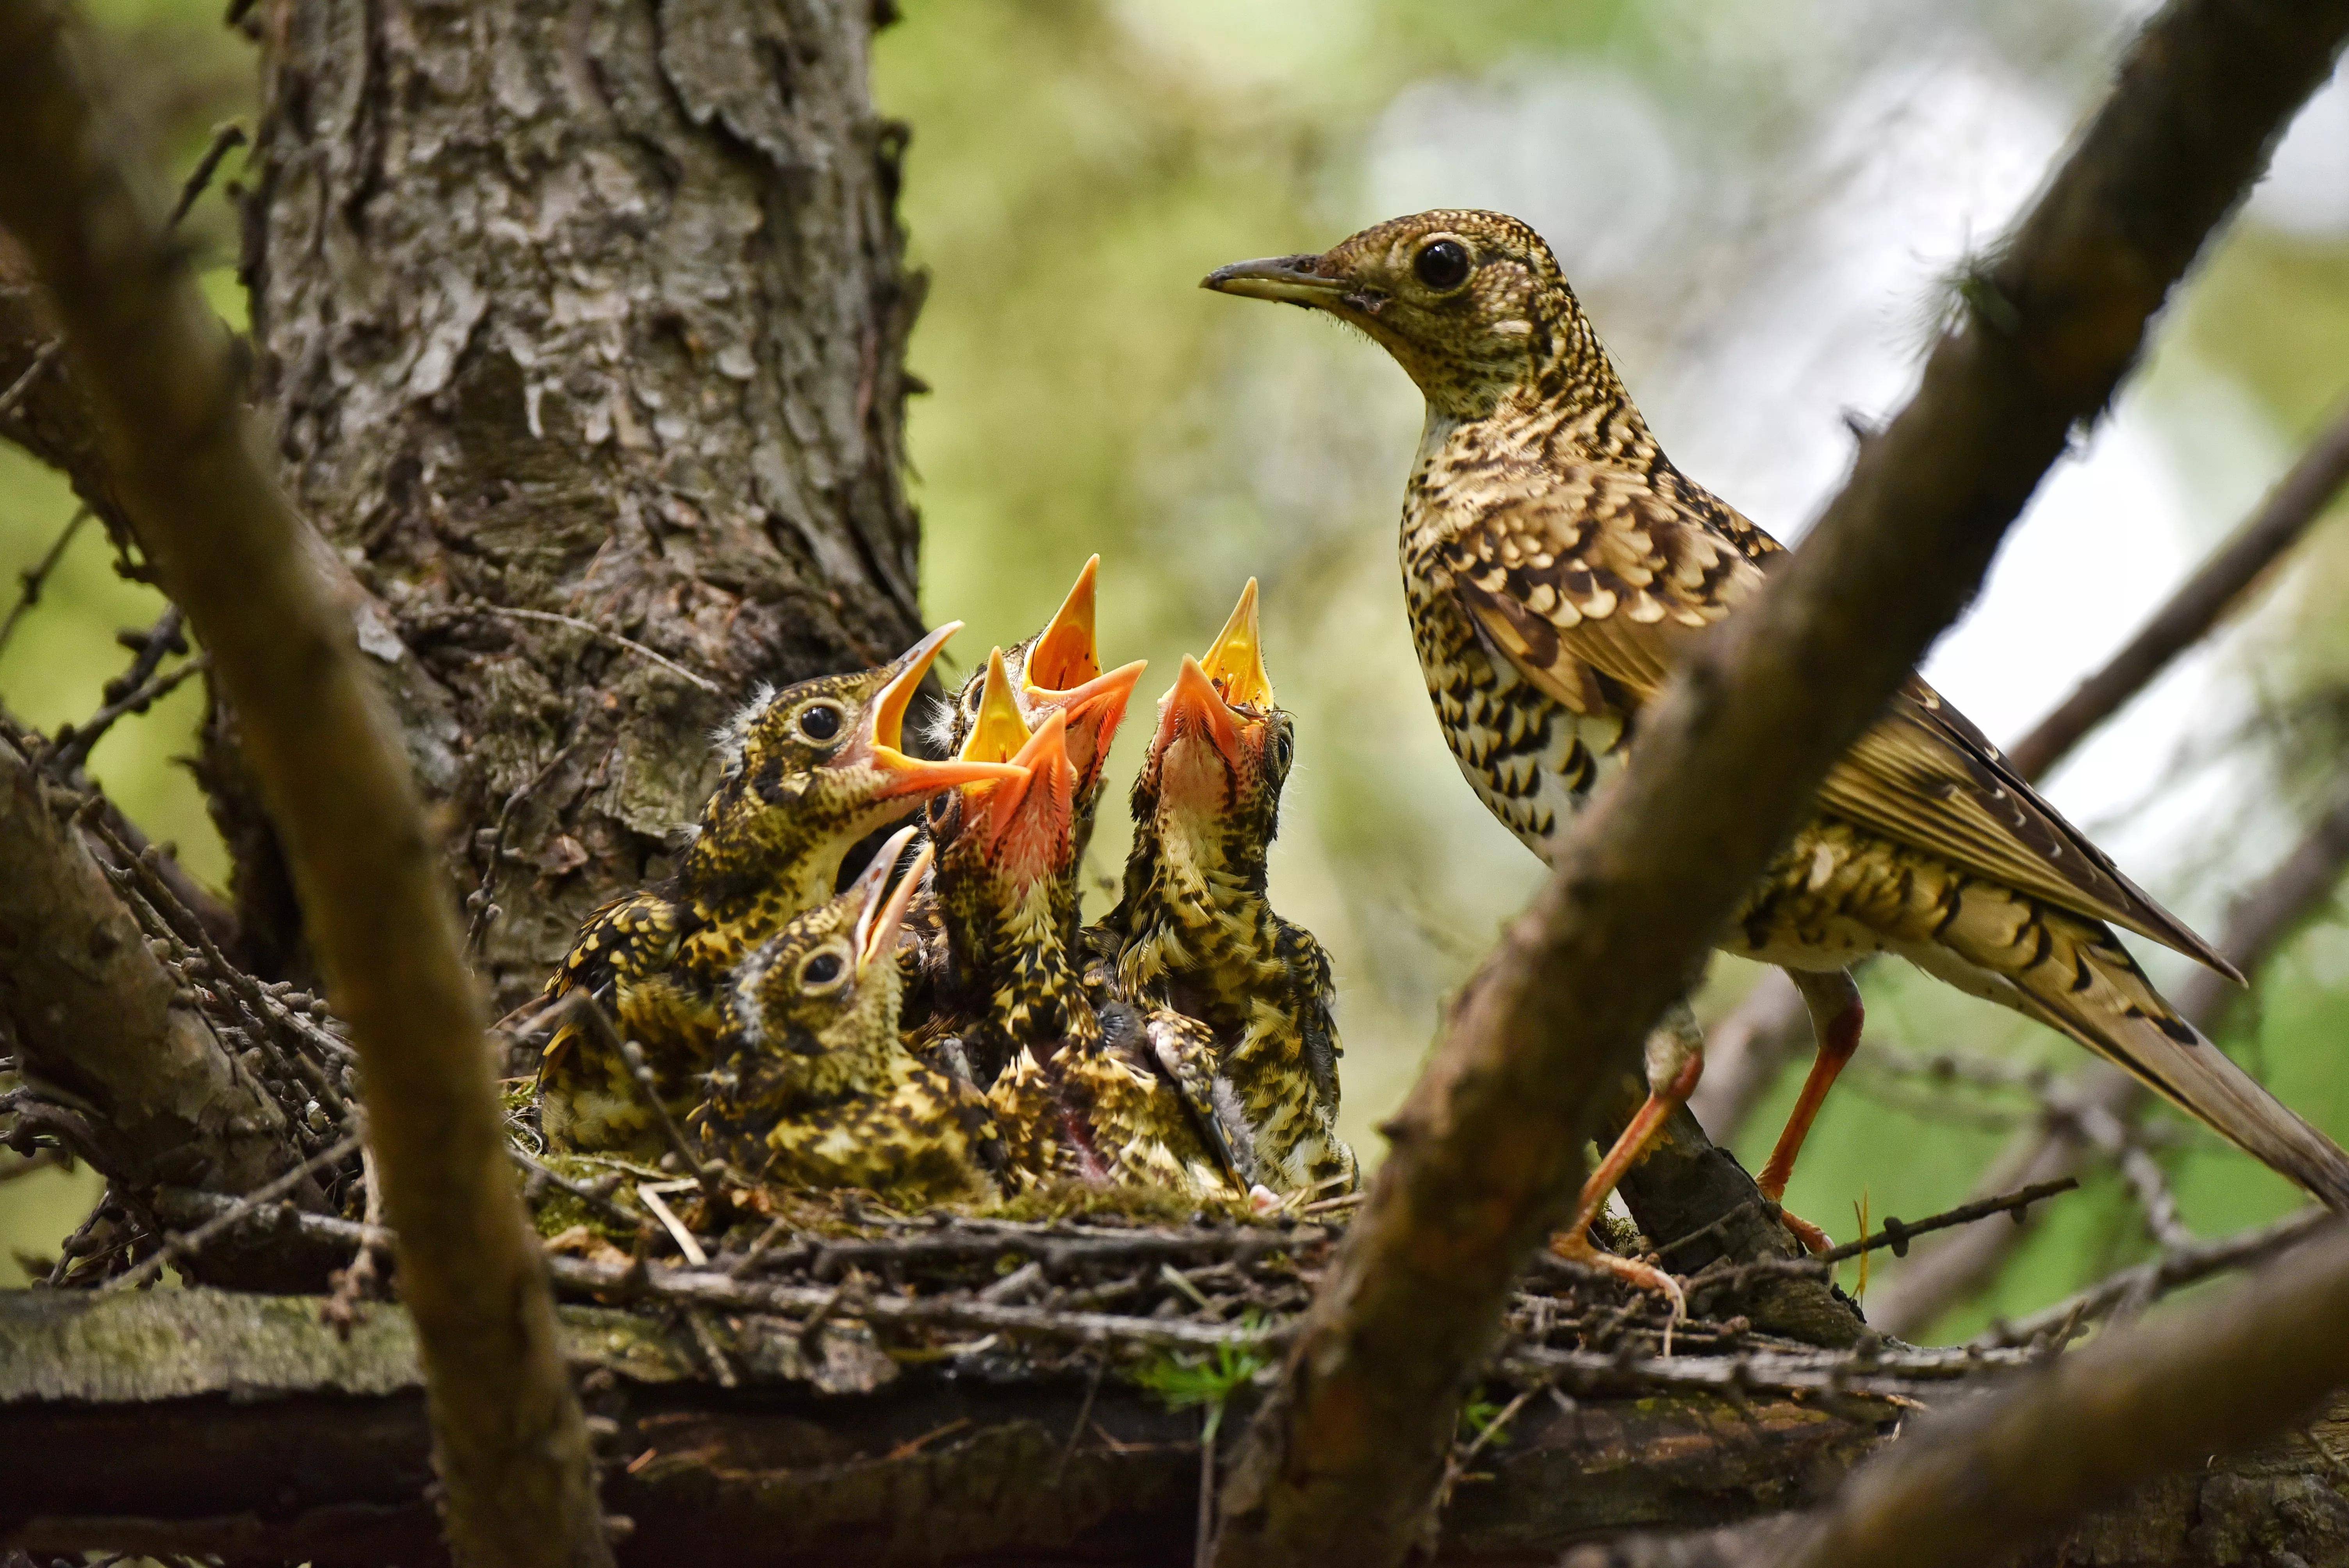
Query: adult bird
[[1556, 567], [805, 772], [1195, 933], [813, 1086]]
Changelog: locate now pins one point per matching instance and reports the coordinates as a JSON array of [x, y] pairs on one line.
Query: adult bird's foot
[[1814, 1241], [1574, 1247]]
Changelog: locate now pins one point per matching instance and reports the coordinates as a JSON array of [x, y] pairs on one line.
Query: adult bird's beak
[[1291, 280], [878, 925], [884, 729], [1065, 654], [1235, 664]]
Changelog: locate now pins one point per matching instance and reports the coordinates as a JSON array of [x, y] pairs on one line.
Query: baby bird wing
[[1593, 589], [632, 937]]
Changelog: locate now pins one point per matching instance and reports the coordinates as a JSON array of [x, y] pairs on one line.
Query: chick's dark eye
[[820, 722], [1442, 265], [821, 970]]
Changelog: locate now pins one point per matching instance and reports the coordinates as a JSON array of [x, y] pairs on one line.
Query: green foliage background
[[1077, 165]]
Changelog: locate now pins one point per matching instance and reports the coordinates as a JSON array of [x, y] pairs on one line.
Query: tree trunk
[[597, 310]]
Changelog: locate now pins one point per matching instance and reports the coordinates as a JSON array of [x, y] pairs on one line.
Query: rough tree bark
[[595, 309]]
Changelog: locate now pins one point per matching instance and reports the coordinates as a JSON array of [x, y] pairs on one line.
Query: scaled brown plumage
[[1556, 566]]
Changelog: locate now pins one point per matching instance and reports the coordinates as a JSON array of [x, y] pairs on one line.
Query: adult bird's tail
[[2118, 1015]]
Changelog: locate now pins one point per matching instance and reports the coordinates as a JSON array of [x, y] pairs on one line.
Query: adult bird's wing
[[1595, 588]]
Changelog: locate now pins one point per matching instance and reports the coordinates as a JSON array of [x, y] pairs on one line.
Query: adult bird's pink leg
[[1837, 1016]]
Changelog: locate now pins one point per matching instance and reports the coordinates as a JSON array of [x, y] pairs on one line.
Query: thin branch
[[510, 611], [33, 373], [158, 373], [2178, 1266], [190, 1243], [1343, 1460], [2167, 1394], [37, 577], [225, 140], [2284, 518]]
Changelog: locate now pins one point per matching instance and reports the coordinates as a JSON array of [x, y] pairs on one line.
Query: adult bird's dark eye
[[822, 970], [820, 722], [1442, 265]]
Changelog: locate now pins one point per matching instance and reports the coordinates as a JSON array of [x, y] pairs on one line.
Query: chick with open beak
[[806, 772], [1075, 1098], [813, 1086], [1059, 668], [1196, 931]]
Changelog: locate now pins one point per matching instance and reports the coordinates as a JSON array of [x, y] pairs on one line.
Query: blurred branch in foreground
[[1966, 1487], [1346, 1457], [2062, 1143], [158, 373], [1746, 1050]]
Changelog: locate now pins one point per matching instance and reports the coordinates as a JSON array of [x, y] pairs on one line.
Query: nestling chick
[[1196, 931], [1076, 1095], [807, 771], [1060, 667], [813, 1088]]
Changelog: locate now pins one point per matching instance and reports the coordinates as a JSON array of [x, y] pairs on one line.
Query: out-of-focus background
[[1761, 205]]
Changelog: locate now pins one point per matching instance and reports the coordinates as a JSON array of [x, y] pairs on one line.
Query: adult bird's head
[[1471, 304]]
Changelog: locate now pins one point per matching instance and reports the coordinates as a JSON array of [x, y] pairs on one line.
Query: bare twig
[[2299, 499], [75, 743], [512, 613], [2147, 1282], [1343, 1460], [225, 140], [157, 372], [183, 1246], [36, 576], [1895, 1235], [32, 373]]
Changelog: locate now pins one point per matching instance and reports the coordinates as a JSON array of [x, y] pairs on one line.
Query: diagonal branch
[[2160, 1397], [97, 1019], [1343, 1460], [1744, 1051], [157, 371], [2284, 517]]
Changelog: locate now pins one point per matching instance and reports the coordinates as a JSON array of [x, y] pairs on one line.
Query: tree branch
[[156, 369], [2285, 516], [1342, 1463], [98, 1018]]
